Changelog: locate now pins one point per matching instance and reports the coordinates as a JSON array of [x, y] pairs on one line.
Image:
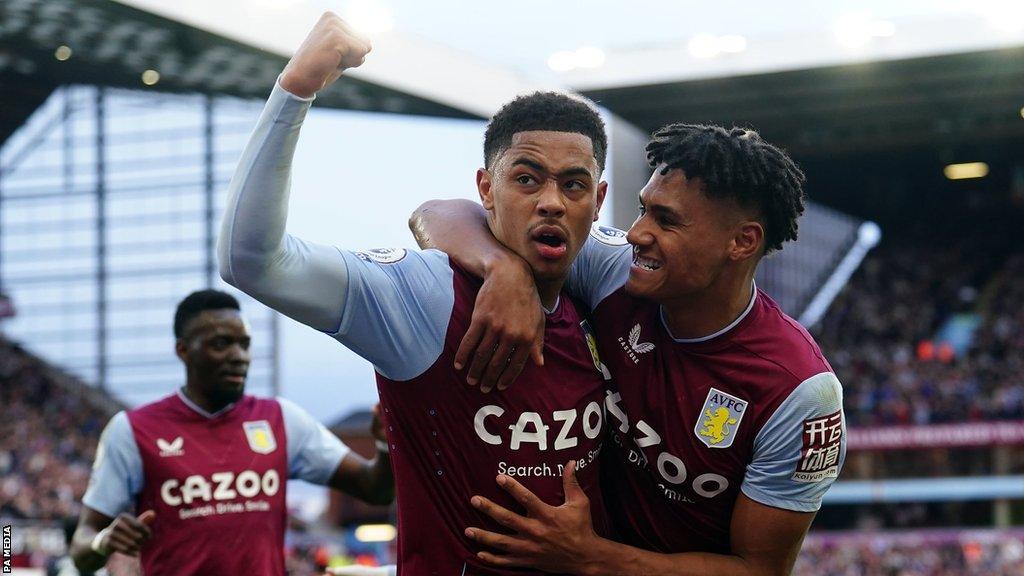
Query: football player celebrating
[[208, 465], [406, 311], [726, 420]]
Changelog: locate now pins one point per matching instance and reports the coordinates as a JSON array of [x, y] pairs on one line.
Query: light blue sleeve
[[313, 451], [117, 472], [601, 267], [397, 307], [801, 449]]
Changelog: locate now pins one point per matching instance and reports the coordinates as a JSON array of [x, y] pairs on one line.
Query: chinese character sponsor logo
[[634, 347], [719, 418], [260, 436], [382, 255], [173, 448], [819, 458]]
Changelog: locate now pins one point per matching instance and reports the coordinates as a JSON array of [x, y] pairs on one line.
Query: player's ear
[[748, 240], [181, 349], [602, 190], [483, 187]]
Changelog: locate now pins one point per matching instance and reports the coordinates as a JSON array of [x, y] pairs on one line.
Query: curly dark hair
[[550, 111], [738, 165], [198, 302]]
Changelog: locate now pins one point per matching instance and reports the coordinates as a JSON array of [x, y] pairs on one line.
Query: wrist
[[296, 85], [99, 542], [506, 262], [594, 561]]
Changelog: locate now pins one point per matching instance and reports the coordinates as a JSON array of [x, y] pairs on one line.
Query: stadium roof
[[112, 44], [933, 101]]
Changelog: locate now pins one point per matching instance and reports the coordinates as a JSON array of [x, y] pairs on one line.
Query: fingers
[[481, 357], [470, 342], [537, 350], [147, 517], [516, 363], [571, 484], [500, 514], [502, 542], [528, 500], [132, 527], [504, 561], [496, 366]]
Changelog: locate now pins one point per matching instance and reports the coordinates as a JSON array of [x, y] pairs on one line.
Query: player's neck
[[709, 311], [548, 291], [201, 400]]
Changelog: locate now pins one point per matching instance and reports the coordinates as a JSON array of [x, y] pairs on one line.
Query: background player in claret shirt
[[726, 420], [207, 466], [406, 311]]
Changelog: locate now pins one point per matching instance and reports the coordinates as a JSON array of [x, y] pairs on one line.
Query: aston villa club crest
[[260, 436], [719, 419]]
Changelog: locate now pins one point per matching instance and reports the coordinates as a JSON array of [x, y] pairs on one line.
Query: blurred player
[[726, 420], [406, 311], [207, 467]]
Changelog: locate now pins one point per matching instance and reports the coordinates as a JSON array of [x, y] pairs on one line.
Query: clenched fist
[[331, 47]]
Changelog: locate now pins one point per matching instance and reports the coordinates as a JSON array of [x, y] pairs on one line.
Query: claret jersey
[[216, 482], [406, 311], [449, 440], [753, 408]]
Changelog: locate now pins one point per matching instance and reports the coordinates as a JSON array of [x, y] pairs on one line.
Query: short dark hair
[[549, 111], [198, 302], [736, 164]]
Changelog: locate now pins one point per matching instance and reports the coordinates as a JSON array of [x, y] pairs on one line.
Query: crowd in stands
[[993, 554], [48, 437], [878, 336]]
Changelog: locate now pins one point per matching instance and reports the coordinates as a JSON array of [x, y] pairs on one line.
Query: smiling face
[[542, 194], [684, 242], [215, 349]]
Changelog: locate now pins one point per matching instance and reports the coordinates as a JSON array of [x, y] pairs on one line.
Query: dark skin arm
[[127, 535], [369, 480], [507, 327], [765, 541]]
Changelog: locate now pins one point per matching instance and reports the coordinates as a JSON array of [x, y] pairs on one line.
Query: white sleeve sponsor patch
[[382, 255], [608, 235], [822, 444]]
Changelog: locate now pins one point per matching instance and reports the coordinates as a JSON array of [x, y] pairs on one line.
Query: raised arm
[[301, 279], [507, 327]]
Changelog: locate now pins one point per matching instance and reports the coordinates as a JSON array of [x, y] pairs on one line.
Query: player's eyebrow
[[658, 209], [571, 171]]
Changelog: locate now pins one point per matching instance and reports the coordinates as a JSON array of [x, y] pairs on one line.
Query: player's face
[[681, 239], [543, 193], [215, 349]]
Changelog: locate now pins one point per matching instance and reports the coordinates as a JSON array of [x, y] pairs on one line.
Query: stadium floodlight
[[369, 17], [62, 53], [966, 170], [589, 57], [732, 43], [376, 533], [562, 61], [704, 46]]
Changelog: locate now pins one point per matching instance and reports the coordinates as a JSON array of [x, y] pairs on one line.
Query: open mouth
[[644, 263], [550, 241]]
